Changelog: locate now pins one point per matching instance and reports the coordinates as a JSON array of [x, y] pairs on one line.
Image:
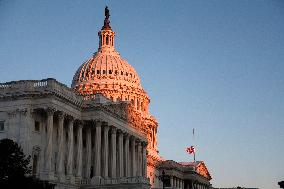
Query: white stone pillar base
[[97, 180], [47, 175], [61, 178], [70, 179]]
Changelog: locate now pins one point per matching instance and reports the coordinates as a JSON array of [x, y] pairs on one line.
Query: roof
[[199, 167]]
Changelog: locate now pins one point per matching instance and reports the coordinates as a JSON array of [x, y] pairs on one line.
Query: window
[[35, 163], [109, 72], [107, 39], [104, 72], [2, 125], [35, 160], [37, 125], [98, 71]]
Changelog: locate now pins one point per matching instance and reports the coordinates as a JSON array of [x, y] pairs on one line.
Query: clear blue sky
[[216, 66]]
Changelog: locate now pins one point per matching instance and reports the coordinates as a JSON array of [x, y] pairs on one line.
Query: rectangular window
[[37, 125], [2, 124], [35, 161]]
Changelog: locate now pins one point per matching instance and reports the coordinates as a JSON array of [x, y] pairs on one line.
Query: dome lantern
[[106, 34]]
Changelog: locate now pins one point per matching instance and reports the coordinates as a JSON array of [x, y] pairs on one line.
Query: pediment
[[203, 171]]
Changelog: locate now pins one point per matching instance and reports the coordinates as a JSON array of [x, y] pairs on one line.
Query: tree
[[15, 169], [13, 162]]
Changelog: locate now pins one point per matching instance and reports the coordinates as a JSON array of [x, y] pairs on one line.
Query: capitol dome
[[107, 73], [106, 68]]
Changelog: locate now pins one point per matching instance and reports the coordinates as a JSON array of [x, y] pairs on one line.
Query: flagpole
[[193, 145]]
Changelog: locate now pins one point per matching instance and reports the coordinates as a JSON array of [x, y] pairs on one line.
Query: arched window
[[107, 39]]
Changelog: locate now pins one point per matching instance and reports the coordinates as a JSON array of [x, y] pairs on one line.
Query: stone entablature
[[36, 89]]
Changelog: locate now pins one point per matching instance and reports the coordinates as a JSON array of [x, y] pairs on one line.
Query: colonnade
[[109, 152], [177, 183], [198, 185]]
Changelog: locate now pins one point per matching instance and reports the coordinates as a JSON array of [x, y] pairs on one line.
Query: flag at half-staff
[[191, 150]]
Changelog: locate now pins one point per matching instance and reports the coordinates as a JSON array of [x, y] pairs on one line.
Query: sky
[[216, 66]]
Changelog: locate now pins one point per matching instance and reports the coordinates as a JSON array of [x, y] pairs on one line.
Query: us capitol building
[[98, 133]]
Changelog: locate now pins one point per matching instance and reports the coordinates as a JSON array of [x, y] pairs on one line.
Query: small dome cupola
[[106, 34]]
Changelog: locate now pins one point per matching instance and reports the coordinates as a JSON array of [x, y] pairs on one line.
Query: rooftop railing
[[49, 85]]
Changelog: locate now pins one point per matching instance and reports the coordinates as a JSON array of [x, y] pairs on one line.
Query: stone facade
[[73, 142]]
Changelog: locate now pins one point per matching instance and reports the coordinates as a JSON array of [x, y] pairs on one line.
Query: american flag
[[190, 150]]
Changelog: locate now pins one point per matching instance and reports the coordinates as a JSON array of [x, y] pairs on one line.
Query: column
[[133, 157], [144, 159], [89, 152], [176, 182], [80, 149], [61, 144], [105, 152], [120, 153], [48, 149], [70, 147], [172, 181], [98, 148], [113, 153], [126, 159], [139, 155]]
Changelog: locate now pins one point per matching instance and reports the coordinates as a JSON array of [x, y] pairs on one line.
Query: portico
[[111, 152]]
